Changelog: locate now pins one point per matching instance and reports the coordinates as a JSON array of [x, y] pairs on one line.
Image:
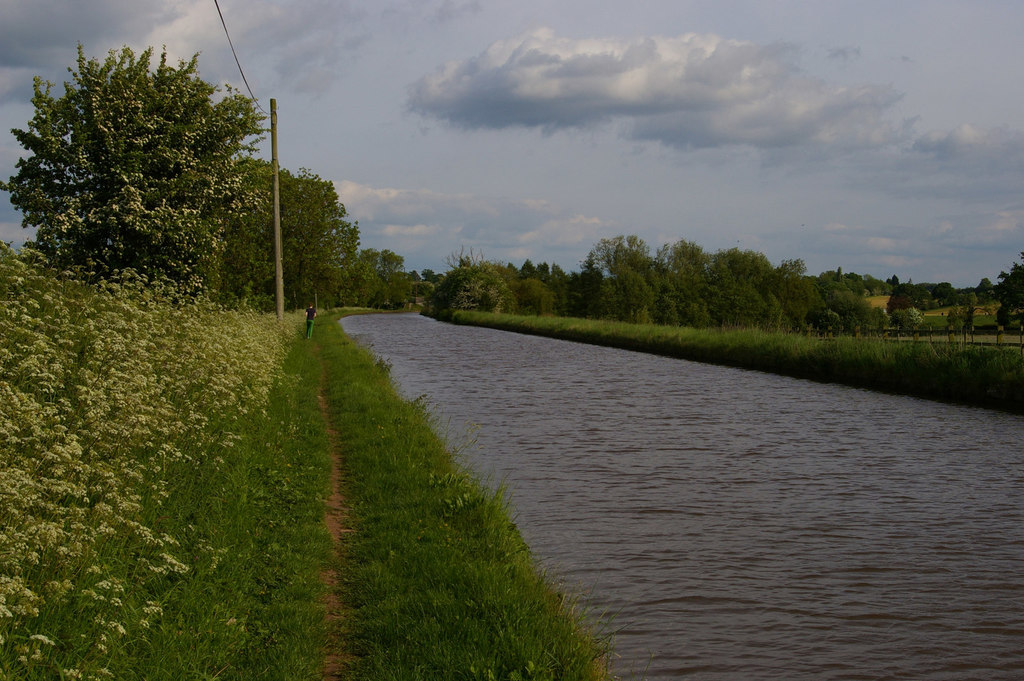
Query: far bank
[[988, 377]]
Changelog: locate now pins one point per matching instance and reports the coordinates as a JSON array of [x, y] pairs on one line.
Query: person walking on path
[[310, 315]]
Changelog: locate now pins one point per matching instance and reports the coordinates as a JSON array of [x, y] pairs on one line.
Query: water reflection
[[742, 525]]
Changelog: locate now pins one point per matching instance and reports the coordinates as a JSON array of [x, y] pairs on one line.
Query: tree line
[[153, 170], [682, 284]]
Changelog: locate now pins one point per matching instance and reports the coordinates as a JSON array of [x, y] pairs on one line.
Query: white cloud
[[411, 230], [434, 224], [190, 25], [689, 91], [577, 230], [887, 244], [1005, 227], [835, 227], [900, 261]]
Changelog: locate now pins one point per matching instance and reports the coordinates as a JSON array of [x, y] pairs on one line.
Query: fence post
[[917, 334], [830, 333], [949, 331], [999, 335]]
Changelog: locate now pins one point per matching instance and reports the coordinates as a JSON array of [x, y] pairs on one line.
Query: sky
[[880, 137]]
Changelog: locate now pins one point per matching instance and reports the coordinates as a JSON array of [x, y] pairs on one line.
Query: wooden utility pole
[[278, 268]]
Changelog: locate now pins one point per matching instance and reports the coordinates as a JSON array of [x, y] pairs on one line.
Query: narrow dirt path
[[336, 658]]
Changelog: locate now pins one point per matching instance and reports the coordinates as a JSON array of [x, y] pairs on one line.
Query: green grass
[[257, 612], [164, 467], [934, 319], [983, 376], [439, 581]]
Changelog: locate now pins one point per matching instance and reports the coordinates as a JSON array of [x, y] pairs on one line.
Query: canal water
[[737, 525]]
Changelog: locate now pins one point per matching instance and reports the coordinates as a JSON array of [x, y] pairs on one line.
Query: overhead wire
[[242, 72]]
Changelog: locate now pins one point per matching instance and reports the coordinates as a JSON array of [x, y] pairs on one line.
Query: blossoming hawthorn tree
[[473, 283], [133, 167]]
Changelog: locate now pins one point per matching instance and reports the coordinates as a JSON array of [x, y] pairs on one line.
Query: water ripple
[[740, 525]]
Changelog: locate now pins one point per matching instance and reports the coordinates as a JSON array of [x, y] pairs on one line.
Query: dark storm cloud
[[40, 33], [301, 43]]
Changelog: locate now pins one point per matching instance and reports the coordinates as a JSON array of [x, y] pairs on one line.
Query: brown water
[[740, 525]]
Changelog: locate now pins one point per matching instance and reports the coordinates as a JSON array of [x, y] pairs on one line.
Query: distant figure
[[310, 315]]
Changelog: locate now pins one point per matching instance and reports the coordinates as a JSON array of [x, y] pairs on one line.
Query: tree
[[319, 244], [1010, 292], [685, 266], [962, 314], [361, 282], [627, 289], [985, 290], [796, 292], [395, 282], [853, 310], [584, 299], [557, 282], [876, 287], [631, 297], [247, 263], [908, 295], [837, 280], [907, 318], [133, 168], [741, 289], [473, 284], [944, 293], [622, 253], [533, 297]]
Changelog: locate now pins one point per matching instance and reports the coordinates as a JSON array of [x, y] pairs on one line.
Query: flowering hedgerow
[[112, 401]]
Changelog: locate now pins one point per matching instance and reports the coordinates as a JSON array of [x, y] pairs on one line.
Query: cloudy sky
[[877, 136]]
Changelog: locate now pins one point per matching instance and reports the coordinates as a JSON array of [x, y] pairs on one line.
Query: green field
[[936, 317]]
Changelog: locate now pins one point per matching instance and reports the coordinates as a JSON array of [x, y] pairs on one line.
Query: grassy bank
[[438, 579], [162, 467], [982, 376], [163, 471]]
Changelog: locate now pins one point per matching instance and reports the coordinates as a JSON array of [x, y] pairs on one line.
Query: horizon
[[883, 138]]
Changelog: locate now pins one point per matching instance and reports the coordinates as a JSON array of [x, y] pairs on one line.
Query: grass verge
[[988, 377], [257, 613], [438, 579]]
